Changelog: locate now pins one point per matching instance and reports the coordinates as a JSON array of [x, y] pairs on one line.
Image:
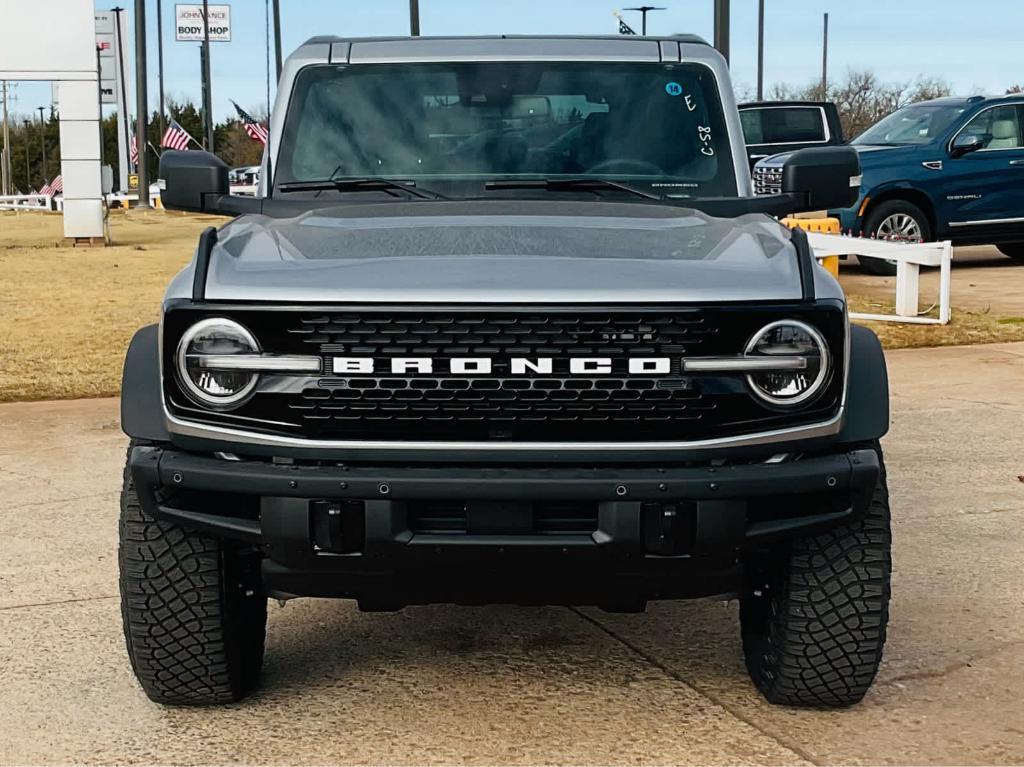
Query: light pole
[[722, 28], [277, 36], [414, 18], [208, 89], [824, 61], [42, 140], [644, 10], [5, 156], [141, 102], [160, 59], [28, 179], [760, 50]]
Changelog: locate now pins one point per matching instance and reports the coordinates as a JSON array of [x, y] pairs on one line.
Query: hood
[[503, 252], [873, 154]]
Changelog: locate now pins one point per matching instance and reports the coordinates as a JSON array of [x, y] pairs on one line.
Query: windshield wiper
[[569, 185], [369, 184]]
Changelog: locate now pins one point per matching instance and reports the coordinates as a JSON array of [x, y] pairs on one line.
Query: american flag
[[54, 187], [175, 137], [624, 28], [252, 126]]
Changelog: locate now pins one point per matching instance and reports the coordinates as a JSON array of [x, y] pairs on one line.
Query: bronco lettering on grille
[[517, 366]]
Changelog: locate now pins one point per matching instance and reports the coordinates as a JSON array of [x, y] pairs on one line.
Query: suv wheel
[[1014, 250], [814, 621], [894, 220], [193, 608]]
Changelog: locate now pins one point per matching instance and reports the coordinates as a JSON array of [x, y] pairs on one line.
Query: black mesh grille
[[499, 406], [499, 399]]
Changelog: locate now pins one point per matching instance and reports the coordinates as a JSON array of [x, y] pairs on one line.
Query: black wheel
[[193, 608], [814, 621], [1014, 250], [894, 220]]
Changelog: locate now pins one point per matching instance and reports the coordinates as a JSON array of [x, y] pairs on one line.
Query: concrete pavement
[[515, 685]]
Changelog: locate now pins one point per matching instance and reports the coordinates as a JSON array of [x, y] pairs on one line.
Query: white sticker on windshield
[[704, 134]]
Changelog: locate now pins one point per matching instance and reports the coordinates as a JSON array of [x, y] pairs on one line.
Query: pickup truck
[[505, 323], [770, 127], [946, 169]]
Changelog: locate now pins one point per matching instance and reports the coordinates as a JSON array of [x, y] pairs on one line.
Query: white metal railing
[[26, 202], [909, 258]]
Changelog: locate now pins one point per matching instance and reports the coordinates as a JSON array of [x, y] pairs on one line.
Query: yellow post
[[823, 225], [831, 264]]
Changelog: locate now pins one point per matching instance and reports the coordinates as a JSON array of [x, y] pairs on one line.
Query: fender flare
[[867, 395], [142, 407]]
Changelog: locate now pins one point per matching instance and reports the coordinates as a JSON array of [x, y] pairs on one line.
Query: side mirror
[[192, 181], [827, 177], [966, 143]]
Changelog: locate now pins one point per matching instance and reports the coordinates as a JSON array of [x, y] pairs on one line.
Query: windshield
[[652, 125], [915, 124]]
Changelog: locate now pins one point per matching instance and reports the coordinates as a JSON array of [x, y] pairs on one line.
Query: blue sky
[[898, 39]]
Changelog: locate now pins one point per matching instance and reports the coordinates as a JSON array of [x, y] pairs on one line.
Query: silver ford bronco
[[505, 323]]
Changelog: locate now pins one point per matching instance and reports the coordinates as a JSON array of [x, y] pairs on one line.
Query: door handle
[[1016, 162]]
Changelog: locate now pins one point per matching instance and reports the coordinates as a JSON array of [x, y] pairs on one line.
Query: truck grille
[[499, 403], [499, 406], [767, 180]]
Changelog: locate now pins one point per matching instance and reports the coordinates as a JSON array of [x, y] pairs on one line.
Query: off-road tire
[[1014, 250], [814, 619], [875, 217], [193, 608]]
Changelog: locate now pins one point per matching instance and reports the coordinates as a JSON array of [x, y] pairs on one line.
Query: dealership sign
[[188, 23], [106, 47]]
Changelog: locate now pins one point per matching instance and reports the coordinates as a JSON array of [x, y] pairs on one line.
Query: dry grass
[[964, 329], [67, 314]]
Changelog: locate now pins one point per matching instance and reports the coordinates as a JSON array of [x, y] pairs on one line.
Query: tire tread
[[815, 637], [189, 640]]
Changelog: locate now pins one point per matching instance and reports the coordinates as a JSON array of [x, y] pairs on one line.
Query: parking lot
[[515, 685]]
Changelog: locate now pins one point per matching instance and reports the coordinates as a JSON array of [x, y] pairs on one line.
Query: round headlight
[[208, 384], [803, 362]]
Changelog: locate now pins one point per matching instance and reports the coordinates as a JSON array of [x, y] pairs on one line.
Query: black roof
[[680, 38]]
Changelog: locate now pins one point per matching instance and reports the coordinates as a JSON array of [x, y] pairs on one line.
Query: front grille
[[767, 180], [499, 403], [500, 406]]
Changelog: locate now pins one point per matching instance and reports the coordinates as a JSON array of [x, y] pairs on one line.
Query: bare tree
[[862, 99]]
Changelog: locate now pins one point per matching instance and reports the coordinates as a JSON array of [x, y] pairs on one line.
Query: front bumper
[[373, 532]]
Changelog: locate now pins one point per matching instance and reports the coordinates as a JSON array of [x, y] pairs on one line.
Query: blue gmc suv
[[947, 169]]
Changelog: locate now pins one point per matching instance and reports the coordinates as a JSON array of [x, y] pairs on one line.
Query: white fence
[[26, 202], [909, 258]]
